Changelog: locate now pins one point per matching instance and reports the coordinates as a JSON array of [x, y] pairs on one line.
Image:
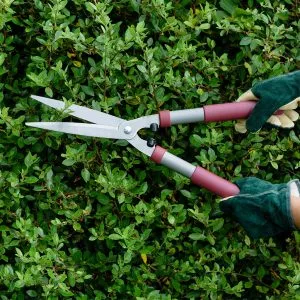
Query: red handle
[[214, 183], [228, 111]]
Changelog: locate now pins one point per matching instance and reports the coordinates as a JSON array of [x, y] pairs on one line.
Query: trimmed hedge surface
[[87, 218]]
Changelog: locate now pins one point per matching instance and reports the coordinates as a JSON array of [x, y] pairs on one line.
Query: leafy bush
[[91, 218]]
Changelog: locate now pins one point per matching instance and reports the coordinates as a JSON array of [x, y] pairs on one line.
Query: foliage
[[89, 218]]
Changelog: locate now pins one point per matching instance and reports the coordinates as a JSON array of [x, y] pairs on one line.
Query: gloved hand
[[282, 92], [262, 208]]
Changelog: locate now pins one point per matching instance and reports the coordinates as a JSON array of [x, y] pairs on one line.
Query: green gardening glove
[[282, 92], [262, 208]]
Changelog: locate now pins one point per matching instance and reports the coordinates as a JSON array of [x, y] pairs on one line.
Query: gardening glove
[[282, 92], [262, 208]]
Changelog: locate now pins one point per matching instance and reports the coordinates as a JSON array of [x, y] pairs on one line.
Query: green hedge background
[[86, 218]]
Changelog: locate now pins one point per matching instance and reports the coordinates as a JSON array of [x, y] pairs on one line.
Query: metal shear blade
[[94, 130], [105, 125], [84, 113]]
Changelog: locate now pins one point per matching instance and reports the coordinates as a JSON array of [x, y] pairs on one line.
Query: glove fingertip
[[241, 127], [274, 120]]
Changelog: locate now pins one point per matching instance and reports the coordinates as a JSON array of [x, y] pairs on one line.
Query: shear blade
[[84, 113], [94, 130]]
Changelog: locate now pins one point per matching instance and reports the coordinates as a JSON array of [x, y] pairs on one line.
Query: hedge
[[89, 218]]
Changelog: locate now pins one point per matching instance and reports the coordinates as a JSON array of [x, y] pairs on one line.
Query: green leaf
[[135, 4], [197, 236], [85, 174], [237, 170], [31, 179], [66, 293], [217, 224], [211, 239], [32, 293], [274, 165], [140, 27], [248, 67], [229, 5], [246, 41], [294, 137], [2, 58], [130, 34], [71, 278], [187, 194], [30, 159], [49, 92], [142, 68], [19, 284], [19, 252], [68, 162], [40, 79], [204, 26], [88, 90], [90, 7], [92, 62], [114, 236], [171, 219], [196, 140], [212, 155], [77, 226]]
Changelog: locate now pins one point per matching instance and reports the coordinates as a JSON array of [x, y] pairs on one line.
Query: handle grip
[[198, 175], [228, 111], [208, 113], [214, 183]]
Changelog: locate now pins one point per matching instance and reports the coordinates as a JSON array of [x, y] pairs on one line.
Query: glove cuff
[[293, 186], [262, 208]]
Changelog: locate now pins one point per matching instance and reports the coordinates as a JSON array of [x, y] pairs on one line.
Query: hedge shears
[[107, 126]]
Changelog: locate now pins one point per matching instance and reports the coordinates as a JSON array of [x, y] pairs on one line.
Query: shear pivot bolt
[[127, 130]]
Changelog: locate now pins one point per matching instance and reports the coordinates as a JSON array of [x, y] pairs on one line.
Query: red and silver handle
[[208, 113], [198, 175]]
